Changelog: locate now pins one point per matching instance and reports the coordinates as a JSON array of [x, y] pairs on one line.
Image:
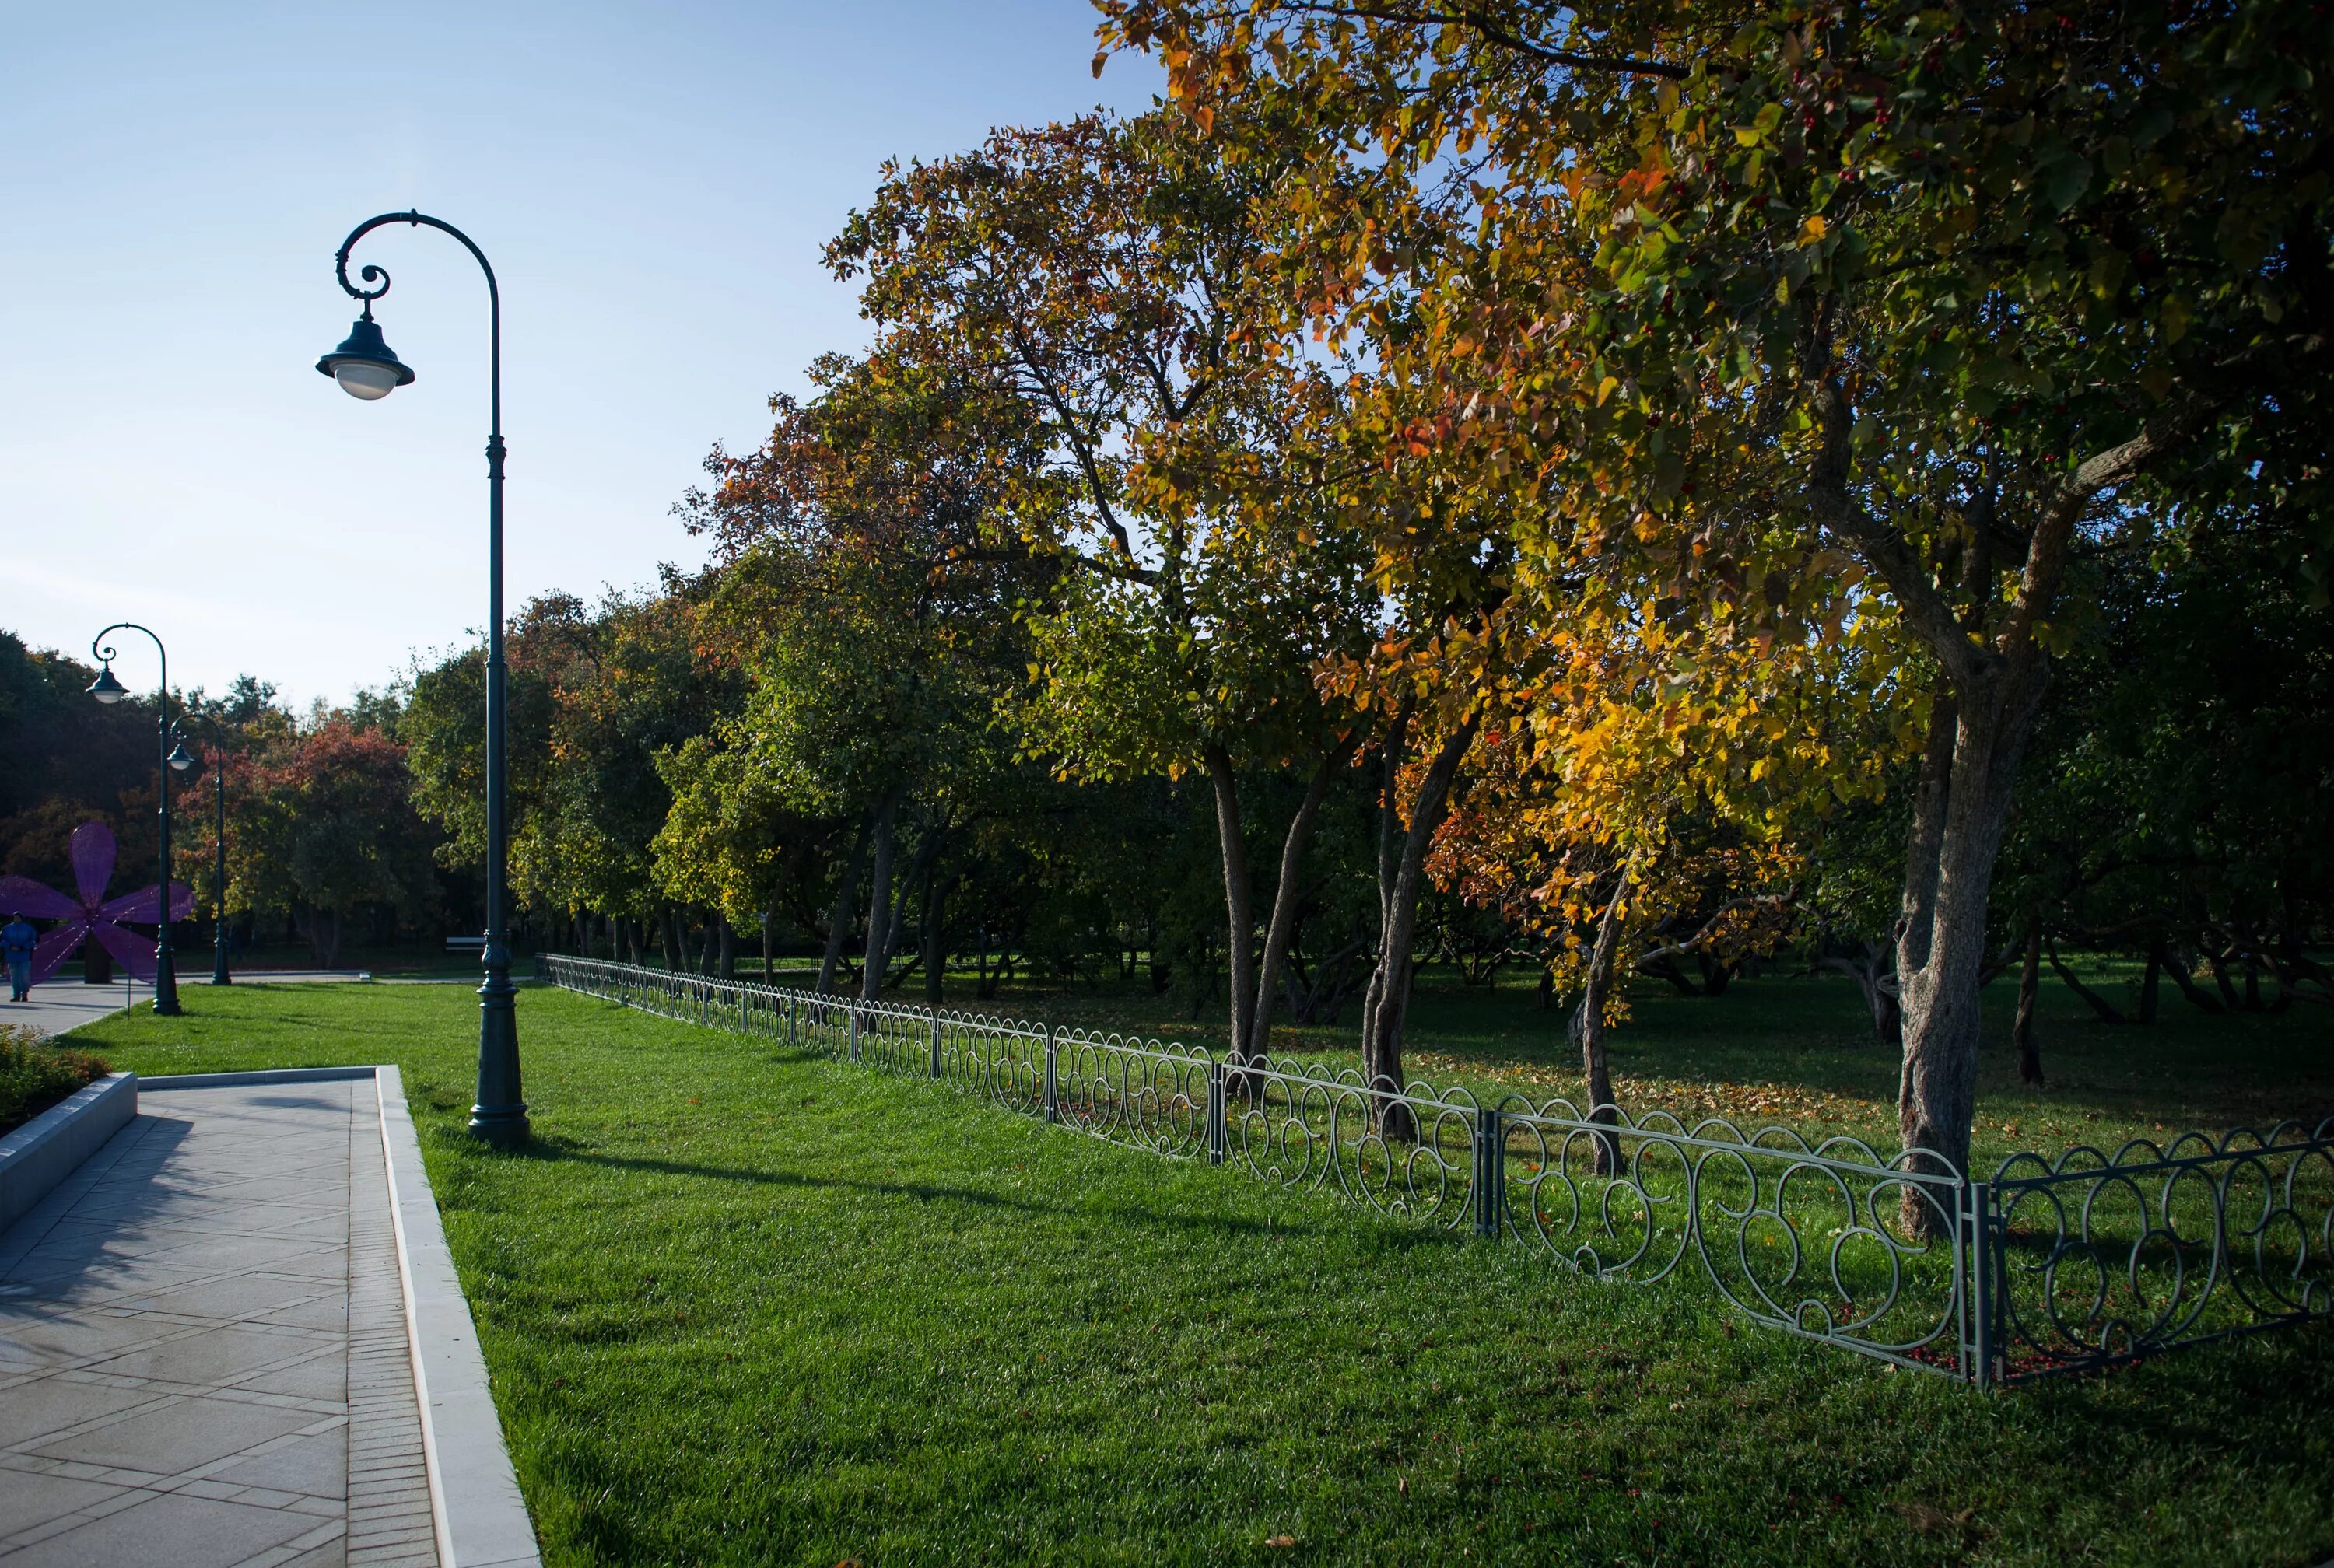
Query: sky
[[652, 183]]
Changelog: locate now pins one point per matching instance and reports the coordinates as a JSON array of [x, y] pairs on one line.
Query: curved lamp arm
[[106, 656], [371, 273]]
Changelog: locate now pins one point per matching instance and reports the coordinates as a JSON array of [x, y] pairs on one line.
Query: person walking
[[17, 940]]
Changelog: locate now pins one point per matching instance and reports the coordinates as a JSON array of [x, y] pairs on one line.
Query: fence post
[[854, 1031], [1490, 1174], [1981, 1281], [1053, 1083], [1219, 1133], [937, 1072]]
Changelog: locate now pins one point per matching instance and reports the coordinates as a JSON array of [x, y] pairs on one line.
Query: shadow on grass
[[560, 1150]]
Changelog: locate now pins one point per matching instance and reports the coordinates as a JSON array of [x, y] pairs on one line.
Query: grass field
[[743, 1306]]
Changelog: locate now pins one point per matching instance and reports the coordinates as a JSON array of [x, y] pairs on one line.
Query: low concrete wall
[[50, 1146]]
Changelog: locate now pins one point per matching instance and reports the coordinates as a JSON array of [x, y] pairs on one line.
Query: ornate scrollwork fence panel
[[1407, 1151], [1138, 1093], [2099, 1258], [2052, 1266], [999, 1059], [893, 1038], [1827, 1240]]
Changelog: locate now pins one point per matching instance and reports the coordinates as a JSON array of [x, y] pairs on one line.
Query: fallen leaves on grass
[[1930, 1520], [1280, 1541]]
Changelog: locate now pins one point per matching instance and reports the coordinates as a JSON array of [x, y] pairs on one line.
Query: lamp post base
[[166, 986], [499, 1116]]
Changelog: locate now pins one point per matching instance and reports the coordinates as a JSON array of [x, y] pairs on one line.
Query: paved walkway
[[203, 1353], [58, 1005]]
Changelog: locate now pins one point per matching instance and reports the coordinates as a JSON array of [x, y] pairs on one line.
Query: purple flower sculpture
[[87, 915]]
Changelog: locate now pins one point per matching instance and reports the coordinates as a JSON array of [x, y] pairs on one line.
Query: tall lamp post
[[366, 369], [181, 759], [109, 691]]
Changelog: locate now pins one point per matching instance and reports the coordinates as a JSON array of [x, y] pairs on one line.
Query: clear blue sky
[[651, 182]]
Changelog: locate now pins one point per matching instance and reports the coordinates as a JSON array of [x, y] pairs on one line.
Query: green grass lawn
[[743, 1306]]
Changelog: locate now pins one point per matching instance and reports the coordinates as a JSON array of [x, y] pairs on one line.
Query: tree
[[324, 828], [595, 695], [1651, 798], [1099, 277], [877, 628], [1894, 303]]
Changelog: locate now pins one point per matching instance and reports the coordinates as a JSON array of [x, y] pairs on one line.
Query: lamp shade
[[364, 364], [107, 689], [181, 759]]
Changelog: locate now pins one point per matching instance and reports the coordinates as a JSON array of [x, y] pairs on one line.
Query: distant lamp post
[[365, 368], [181, 759], [109, 690]]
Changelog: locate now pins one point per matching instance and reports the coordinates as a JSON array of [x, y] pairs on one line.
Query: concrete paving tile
[[276, 1254], [330, 1554], [100, 1280], [231, 1298], [32, 1411], [29, 1500], [178, 1435], [283, 1191], [327, 1309], [321, 1377], [207, 1358], [314, 1466], [176, 1529], [46, 1335], [221, 1490]]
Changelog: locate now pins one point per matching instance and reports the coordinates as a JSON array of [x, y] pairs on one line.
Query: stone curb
[[240, 1080], [52, 1146], [481, 1518]]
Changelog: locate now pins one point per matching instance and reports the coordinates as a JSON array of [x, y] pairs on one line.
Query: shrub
[[36, 1075]]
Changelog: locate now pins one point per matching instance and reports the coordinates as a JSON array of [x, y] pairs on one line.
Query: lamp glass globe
[[365, 378]]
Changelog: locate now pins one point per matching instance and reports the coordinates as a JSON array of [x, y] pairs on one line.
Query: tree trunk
[[1390, 760], [838, 918], [726, 964], [1968, 770], [2108, 1011], [935, 940], [1588, 1028], [707, 955], [1389, 999], [2030, 983], [1286, 896], [673, 956], [2177, 968], [918, 877], [1715, 975], [879, 899], [769, 975], [2150, 980], [2220, 967], [1238, 903]]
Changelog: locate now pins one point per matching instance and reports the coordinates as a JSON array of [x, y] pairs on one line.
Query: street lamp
[[365, 368], [182, 760], [109, 691]]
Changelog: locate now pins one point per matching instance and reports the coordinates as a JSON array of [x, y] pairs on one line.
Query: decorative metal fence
[[2051, 1267]]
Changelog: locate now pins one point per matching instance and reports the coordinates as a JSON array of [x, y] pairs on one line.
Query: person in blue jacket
[[17, 939]]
